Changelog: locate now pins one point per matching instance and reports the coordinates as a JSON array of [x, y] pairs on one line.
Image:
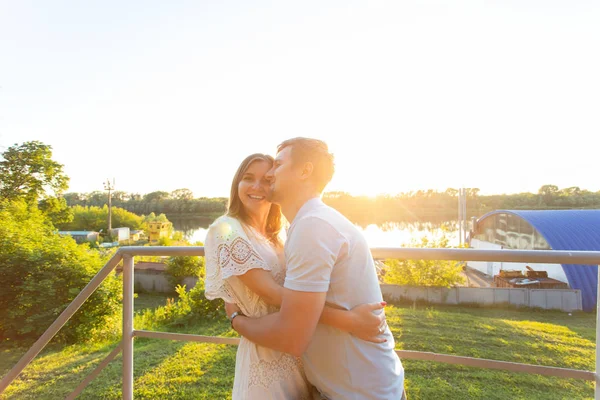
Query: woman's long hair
[[237, 210]]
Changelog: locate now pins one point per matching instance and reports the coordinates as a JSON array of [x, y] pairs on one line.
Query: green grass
[[180, 370], [151, 300]]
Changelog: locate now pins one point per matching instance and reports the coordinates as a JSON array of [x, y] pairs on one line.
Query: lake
[[388, 234]]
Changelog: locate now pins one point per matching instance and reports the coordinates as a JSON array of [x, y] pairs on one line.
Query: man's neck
[[291, 208]]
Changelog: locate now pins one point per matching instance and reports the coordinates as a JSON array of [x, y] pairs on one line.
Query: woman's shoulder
[[224, 225]]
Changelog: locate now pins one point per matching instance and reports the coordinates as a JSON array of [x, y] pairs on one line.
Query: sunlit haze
[[409, 95]]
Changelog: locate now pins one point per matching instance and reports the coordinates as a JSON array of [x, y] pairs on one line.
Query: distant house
[[542, 230], [81, 236], [120, 234], [157, 230], [136, 235]]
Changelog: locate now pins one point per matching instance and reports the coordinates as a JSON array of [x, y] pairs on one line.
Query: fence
[[126, 255], [557, 299]]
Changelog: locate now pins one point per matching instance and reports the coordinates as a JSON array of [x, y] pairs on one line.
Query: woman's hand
[[367, 325], [230, 308]]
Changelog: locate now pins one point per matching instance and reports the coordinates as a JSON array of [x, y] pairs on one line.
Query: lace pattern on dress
[[229, 253], [237, 257], [266, 373]]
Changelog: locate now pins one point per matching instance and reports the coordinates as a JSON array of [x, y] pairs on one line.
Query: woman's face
[[253, 189]]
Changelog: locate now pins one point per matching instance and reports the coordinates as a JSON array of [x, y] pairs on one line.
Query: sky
[[499, 95]]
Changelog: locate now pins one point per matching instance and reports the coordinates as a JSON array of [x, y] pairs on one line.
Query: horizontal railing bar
[[95, 372], [407, 354], [527, 256], [405, 253], [494, 364], [161, 250], [60, 321], [186, 337]]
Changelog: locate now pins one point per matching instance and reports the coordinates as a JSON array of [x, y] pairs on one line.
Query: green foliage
[[156, 196], [96, 218], [181, 266], [177, 236], [57, 210], [164, 241], [182, 194], [363, 210], [178, 202], [192, 306], [41, 273], [154, 218], [28, 172], [424, 272]]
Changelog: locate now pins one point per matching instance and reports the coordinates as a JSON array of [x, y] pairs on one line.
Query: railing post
[[597, 393], [60, 321], [128, 327]]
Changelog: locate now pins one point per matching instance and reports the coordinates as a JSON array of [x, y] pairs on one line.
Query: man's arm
[[312, 249], [290, 330], [360, 321]]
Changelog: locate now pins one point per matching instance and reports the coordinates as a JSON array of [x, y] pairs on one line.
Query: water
[[388, 234]]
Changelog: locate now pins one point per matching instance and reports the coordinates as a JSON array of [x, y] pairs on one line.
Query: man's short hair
[[314, 151]]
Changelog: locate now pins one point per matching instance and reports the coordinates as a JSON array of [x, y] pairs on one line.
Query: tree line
[[175, 203], [413, 205]]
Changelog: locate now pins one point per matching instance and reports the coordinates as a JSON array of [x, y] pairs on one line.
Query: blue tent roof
[[569, 230]]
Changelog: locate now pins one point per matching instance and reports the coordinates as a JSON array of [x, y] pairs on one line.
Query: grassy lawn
[[180, 370], [151, 300]]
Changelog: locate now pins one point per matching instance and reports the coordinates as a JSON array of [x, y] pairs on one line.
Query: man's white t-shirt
[[325, 252]]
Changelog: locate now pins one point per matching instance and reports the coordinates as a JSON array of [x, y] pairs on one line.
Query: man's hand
[[230, 308], [367, 325]]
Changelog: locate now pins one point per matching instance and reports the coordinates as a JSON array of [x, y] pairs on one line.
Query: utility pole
[[462, 216], [110, 187]]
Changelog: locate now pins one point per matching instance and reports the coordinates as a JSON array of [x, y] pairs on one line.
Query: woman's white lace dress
[[231, 250]]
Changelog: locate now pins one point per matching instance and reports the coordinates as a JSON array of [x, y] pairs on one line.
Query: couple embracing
[[307, 303]]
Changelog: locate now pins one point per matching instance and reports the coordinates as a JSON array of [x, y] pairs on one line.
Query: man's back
[[326, 252]]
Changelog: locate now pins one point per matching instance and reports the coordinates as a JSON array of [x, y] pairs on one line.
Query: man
[[328, 260]]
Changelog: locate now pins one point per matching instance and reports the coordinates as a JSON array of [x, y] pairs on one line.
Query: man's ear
[[306, 170]]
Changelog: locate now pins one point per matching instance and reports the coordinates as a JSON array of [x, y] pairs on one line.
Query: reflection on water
[[394, 234], [387, 234]]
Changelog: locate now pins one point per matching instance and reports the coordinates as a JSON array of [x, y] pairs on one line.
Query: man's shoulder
[[325, 213], [315, 219]]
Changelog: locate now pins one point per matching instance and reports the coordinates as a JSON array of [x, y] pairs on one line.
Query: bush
[[180, 267], [424, 272], [41, 273], [191, 307]]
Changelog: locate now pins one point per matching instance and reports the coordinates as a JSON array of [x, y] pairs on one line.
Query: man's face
[[282, 176]]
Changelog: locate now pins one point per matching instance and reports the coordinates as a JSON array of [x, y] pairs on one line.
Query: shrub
[[180, 267], [191, 307], [424, 272], [41, 273]]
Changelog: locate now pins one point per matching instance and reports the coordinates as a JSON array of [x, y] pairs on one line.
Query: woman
[[245, 265]]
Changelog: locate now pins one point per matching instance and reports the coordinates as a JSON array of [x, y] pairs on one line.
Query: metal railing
[[126, 254]]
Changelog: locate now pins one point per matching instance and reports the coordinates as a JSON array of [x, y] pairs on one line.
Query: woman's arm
[[360, 321]]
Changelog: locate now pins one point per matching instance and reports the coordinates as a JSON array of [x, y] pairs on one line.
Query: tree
[[57, 210], [156, 196], [95, 218], [28, 172], [182, 194], [41, 273], [548, 193]]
